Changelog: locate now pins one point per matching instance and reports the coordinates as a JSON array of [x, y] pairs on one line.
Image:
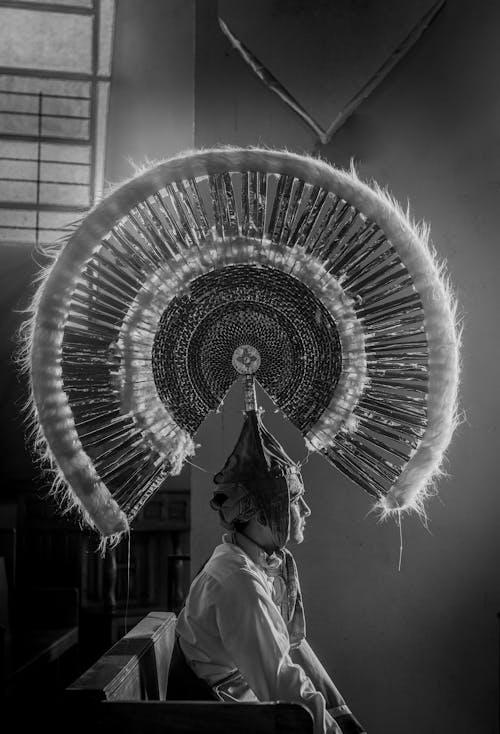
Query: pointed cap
[[271, 478]]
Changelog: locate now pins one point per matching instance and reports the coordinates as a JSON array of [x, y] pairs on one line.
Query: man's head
[[299, 510], [257, 528], [238, 512], [260, 480]]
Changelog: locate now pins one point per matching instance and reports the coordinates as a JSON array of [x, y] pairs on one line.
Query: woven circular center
[[246, 305]]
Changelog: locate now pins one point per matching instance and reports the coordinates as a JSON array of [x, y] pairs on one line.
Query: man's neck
[[252, 546]]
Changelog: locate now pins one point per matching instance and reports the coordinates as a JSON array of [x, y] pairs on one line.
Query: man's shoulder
[[228, 561]]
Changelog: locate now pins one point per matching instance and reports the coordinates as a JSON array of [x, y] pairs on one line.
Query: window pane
[[17, 218], [58, 220], [33, 39], [20, 225], [18, 149], [18, 235], [18, 102], [24, 170], [58, 105], [46, 237], [12, 124], [62, 172], [64, 195], [63, 152], [34, 84], [18, 192], [62, 127], [62, 113]]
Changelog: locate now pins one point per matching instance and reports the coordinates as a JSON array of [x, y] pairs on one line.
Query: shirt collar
[[268, 563]]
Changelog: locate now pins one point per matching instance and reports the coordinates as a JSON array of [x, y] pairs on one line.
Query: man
[[241, 634]]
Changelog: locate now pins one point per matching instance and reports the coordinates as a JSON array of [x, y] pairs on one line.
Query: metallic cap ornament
[[246, 360], [176, 277]]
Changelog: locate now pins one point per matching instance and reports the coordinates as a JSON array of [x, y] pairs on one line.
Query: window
[[55, 67]]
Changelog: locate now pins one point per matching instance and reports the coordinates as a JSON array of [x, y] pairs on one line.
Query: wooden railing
[[125, 690]]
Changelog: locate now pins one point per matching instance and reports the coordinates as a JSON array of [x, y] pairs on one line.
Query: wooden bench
[[124, 692], [135, 668]]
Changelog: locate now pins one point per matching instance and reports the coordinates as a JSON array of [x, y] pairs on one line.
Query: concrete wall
[[151, 113], [415, 651]]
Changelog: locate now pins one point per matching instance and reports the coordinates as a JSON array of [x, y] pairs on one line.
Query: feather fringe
[[75, 484]]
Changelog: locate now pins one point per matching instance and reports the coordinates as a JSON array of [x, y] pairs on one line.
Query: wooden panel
[[8, 552], [56, 608], [204, 718], [166, 510], [50, 545], [7, 574], [158, 577], [136, 667], [37, 649]]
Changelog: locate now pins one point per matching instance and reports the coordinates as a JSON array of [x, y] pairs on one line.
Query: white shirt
[[230, 622]]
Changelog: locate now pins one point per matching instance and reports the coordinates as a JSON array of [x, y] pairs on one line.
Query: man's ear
[[261, 518]]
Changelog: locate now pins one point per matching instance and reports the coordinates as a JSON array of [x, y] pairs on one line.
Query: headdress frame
[[227, 242]]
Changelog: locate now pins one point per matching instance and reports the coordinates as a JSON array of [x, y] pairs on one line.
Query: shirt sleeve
[[305, 656], [255, 636]]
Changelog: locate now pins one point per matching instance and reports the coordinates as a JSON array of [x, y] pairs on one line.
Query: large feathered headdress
[[137, 319]]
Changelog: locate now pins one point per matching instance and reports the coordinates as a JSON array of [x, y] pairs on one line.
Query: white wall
[[415, 652], [152, 90], [151, 115]]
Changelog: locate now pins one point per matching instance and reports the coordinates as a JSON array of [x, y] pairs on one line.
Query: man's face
[[299, 510]]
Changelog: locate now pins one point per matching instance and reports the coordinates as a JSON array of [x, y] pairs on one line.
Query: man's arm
[[254, 634], [305, 656]]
